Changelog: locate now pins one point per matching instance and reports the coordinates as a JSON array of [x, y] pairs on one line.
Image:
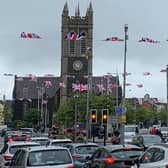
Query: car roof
[[38, 138], [15, 143], [39, 148], [115, 147], [84, 144], [60, 140]]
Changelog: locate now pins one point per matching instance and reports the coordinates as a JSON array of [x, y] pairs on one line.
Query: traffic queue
[[24, 148]]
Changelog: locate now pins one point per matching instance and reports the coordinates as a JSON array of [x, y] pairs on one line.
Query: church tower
[[76, 55]]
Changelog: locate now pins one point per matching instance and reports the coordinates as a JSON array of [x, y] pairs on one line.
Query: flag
[[163, 70], [19, 79], [30, 35], [148, 40], [147, 73], [140, 101], [115, 39], [126, 74], [128, 84], [140, 85], [79, 87], [62, 84], [6, 74], [47, 84], [74, 36], [100, 87], [32, 77]]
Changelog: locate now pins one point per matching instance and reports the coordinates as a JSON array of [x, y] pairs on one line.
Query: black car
[[114, 156]]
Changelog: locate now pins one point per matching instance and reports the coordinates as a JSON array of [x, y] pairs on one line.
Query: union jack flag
[[100, 87], [79, 87], [47, 84], [147, 73]]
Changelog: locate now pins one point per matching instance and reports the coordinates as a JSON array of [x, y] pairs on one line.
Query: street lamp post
[[88, 99], [124, 81], [167, 92], [75, 122]]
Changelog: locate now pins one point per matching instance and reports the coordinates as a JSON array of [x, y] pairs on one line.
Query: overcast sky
[[145, 18]]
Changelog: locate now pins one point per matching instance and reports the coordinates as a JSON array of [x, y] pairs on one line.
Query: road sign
[[120, 110]]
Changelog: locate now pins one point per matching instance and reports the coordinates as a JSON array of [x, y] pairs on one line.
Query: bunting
[[101, 87], [114, 39], [30, 35], [148, 40], [79, 87]]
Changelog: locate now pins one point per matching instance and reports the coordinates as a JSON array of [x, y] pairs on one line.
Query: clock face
[[77, 65]]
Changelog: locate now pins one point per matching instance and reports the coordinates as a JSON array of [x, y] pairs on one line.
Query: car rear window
[[61, 143], [49, 157], [13, 149], [85, 149], [126, 153]]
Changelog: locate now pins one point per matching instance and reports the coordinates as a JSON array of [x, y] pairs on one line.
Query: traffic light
[[94, 116], [104, 116]]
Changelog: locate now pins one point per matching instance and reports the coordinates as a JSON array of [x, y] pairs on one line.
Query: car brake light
[[109, 160], [19, 135], [27, 139], [7, 157], [76, 156], [10, 140], [166, 166], [70, 167]]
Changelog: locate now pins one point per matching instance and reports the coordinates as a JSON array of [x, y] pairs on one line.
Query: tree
[[31, 117], [65, 114]]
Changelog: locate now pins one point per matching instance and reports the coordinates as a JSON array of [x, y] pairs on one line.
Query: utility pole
[[167, 92], [124, 82]]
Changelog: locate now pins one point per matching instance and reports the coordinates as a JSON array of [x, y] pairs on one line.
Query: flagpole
[[124, 82]]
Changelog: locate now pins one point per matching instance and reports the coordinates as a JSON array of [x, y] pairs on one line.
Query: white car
[[154, 157], [10, 148], [42, 157], [41, 140], [58, 142]]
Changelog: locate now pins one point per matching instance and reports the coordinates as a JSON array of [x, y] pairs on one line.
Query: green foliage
[[31, 117], [65, 114]]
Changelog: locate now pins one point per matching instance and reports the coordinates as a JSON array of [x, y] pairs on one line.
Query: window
[[153, 155]]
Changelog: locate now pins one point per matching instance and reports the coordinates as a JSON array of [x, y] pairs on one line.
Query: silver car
[[154, 157], [42, 157]]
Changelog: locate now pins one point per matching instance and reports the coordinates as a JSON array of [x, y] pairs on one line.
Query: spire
[[77, 11], [65, 10], [90, 7]]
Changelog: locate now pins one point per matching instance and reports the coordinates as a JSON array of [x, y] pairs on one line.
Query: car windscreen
[[13, 149], [89, 149], [49, 157]]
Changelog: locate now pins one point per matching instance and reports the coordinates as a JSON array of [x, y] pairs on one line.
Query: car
[[80, 151], [58, 142], [42, 157], [146, 140], [154, 156], [164, 131], [10, 148], [114, 156], [15, 136], [40, 140]]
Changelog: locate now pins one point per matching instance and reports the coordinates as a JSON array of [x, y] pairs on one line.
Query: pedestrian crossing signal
[[94, 116], [104, 116]]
